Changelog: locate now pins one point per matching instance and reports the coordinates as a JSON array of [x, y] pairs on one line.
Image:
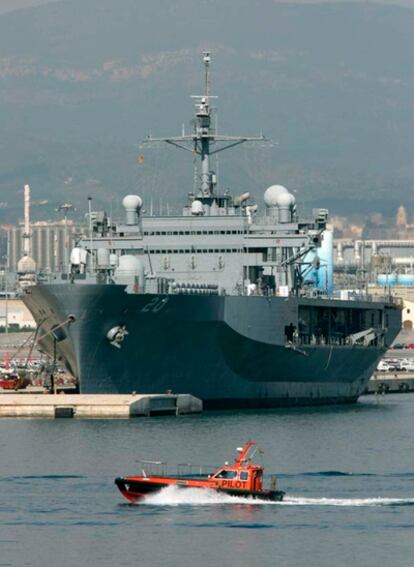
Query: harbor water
[[348, 473]]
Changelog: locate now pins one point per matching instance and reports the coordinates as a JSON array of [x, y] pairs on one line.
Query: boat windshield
[[224, 473]]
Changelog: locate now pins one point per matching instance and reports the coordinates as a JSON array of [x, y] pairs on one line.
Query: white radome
[[197, 207], [132, 202], [285, 200], [128, 264], [272, 193], [26, 265]]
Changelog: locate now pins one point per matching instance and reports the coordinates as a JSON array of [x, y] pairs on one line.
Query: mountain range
[[82, 82]]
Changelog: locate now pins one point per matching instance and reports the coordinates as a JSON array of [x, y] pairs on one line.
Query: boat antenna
[[204, 136], [207, 59], [90, 232]]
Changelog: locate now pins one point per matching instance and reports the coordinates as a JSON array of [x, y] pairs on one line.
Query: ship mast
[[204, 136]]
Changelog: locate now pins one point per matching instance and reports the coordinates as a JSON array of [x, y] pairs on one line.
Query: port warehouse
[[14, 315]]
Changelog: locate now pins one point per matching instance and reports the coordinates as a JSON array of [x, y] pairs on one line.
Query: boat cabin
[[242, 474], [249, 478]]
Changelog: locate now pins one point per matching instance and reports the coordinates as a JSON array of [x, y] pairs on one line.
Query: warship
[[228, 301]]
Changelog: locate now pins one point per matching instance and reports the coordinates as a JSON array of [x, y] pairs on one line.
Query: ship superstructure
[[228, 301]]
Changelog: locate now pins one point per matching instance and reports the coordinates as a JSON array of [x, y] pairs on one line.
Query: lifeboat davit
[[241, 478]]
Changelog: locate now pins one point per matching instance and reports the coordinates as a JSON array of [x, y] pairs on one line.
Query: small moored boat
[[241, 478]]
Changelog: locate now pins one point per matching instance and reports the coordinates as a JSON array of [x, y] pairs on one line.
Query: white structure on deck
[[26, 266]]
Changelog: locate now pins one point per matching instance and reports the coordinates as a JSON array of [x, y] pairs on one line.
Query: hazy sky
[[10, 5]]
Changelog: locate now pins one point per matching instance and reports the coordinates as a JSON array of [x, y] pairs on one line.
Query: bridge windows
[[228, 474], [190, 232]]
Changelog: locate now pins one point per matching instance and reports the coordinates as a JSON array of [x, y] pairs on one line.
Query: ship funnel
[[132, 205]]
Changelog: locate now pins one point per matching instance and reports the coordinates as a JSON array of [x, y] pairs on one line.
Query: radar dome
[[130, 271], [284, 204], [128, 264], [197, 207], [132, 202], [26, 265], [271, 194], [285, 200]]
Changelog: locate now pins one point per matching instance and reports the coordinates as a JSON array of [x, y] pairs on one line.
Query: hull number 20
[[156, 304]]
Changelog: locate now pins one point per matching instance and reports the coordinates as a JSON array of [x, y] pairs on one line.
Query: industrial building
[[51, 243]]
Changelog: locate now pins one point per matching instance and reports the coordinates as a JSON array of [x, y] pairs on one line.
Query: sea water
[[348, 473]]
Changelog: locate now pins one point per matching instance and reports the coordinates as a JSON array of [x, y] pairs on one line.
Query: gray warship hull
[[223, 302], [230, 351]]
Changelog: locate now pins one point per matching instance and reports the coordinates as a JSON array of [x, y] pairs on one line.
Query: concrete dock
[[96, 406], [391, 383]]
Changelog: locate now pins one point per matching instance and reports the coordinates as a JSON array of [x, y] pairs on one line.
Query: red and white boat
[[241, 478]]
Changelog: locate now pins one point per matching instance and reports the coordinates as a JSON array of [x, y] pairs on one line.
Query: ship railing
[[397, 301], [153, 468], [336, 339], [268, 220], [369, 298], [160, 468], [193, 288], [191, 470], [320, 340]]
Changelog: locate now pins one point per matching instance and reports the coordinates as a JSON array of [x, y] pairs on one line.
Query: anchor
[[116, 335]]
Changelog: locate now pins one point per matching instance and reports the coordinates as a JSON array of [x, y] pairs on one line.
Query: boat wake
[[375, 501], [174, 496]]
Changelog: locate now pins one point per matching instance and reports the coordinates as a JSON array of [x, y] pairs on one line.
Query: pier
[[96, 406], [391, 383]]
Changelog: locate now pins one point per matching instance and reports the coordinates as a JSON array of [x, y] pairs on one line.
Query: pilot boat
[[241, 478]]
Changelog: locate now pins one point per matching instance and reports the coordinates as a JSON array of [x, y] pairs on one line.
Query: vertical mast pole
[[203, 116], [92, 265], [26, 242], [207, 60], [6, 315]]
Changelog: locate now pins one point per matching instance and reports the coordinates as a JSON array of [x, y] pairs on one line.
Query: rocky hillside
[[83, 81]]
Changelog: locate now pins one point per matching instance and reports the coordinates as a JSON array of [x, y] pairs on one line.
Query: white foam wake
[[175, 496], [376, 501]]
